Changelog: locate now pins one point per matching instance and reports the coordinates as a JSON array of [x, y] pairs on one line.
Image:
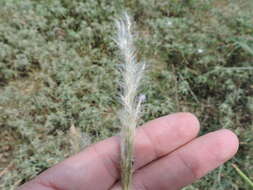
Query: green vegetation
[[243, 175], [58, 68]]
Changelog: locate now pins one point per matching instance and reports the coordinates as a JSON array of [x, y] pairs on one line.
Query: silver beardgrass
[[132, 73]]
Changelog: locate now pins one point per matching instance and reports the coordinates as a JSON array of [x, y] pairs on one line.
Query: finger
[[162, 136], [188, 163], [101, 160]]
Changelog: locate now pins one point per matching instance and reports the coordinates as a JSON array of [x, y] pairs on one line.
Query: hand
[[167, 156]]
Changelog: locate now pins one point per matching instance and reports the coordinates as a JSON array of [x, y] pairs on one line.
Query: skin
[[168, 155]]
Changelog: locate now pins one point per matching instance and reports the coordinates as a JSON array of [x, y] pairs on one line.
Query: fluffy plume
[[132, 73]]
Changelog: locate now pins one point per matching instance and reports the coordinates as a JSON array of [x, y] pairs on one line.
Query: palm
[[167, 156]]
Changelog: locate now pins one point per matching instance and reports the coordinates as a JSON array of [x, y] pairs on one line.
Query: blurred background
[[58, 71]]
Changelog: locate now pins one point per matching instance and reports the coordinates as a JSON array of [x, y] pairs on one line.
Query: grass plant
[[132, 73]]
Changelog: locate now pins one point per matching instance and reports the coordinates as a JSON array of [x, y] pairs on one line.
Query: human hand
[[167, 156]]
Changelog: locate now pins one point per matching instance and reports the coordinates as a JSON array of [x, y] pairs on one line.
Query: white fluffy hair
[[132, 73]]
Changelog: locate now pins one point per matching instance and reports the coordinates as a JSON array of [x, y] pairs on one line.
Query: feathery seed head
[[132, 73]]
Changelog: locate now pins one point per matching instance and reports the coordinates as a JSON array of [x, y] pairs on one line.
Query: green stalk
[[245, 177], [127, 162]]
